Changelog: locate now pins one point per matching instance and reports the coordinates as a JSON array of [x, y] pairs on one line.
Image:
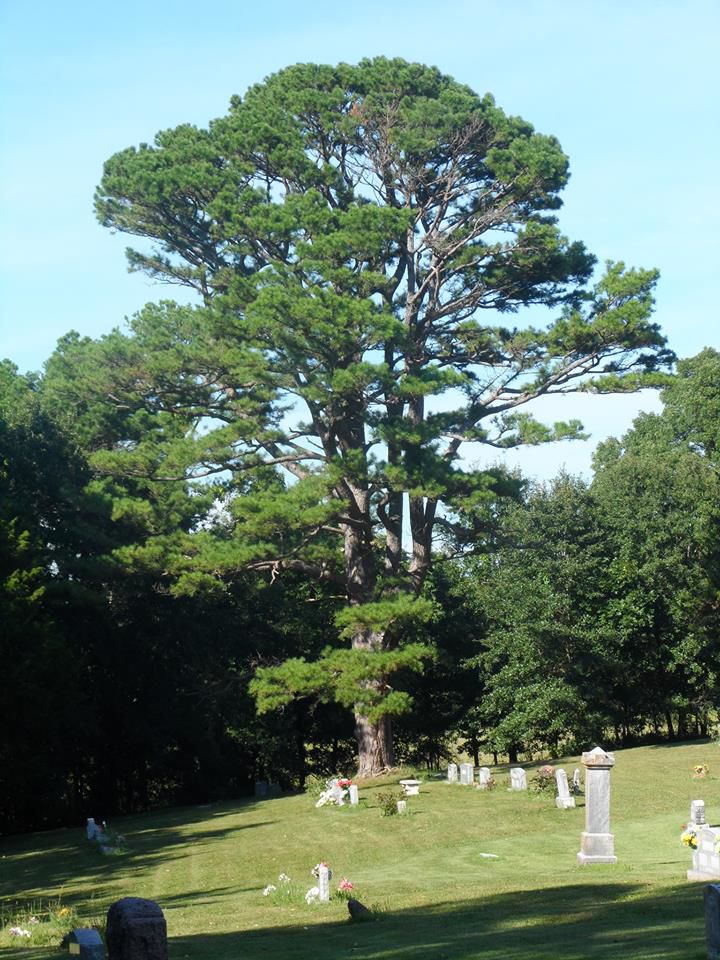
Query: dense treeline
[[591, 612], [246, 531]]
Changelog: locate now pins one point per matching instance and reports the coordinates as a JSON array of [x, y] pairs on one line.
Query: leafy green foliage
[[354, 235], [349, 677], [388, 801]]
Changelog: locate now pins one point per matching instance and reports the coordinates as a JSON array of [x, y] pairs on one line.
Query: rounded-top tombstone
[[136, 930]]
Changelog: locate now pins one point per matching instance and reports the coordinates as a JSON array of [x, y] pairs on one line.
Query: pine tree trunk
[[374, 739], [375, 746]]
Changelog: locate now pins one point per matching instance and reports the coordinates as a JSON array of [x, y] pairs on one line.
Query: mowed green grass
[[437, 897]]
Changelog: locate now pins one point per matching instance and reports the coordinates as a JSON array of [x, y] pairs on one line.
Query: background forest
[[591, 613], [232, 527]]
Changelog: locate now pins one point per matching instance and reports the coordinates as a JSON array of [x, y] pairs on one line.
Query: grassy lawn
[[436, 896]]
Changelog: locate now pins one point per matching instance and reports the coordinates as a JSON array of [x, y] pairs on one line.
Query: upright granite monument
[[136, 930], [597, 844]]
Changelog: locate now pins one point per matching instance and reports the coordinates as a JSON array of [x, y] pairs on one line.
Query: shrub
[[544, 779], [388, 801]]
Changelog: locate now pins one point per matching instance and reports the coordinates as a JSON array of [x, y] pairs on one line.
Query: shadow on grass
[[578, 922], [27, 872]]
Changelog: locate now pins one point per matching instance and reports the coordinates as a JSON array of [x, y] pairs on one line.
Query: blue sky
[[630, 89]]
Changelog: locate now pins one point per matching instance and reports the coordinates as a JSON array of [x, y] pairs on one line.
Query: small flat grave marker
[[86, 944]]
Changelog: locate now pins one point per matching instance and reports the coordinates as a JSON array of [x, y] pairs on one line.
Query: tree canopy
[[361, 239]]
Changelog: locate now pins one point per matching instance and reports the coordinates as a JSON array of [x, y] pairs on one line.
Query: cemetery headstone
[[518, 779], [467, 772], [274, 789], [452, 773], [136, 930], [411, 788], [484, 777], [353, 791], [402, 806], [576, 782], [712, 921], [563, 801], [85, 943], [261, 788], [597, 844], [697, 812], [324, 883], [705, 858], [93, 830]]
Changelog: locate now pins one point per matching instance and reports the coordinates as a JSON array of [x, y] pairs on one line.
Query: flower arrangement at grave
[[345, 889], [689, 836], [287, 891], [544, 779], [336, 790], [700, 771], [108, 841], [284, 891], [489, 784], [316, 870], [37, 924]]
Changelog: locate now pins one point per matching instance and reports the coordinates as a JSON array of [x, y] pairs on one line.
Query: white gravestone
[[93, 830], [563, 801], [577, 785], [324, 883], [411, 788], [402, 806], [518, 779], [483, 777], [452, 773], [706, 859], [467, 772], [697, 812], [597, 844], [353, 791]]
